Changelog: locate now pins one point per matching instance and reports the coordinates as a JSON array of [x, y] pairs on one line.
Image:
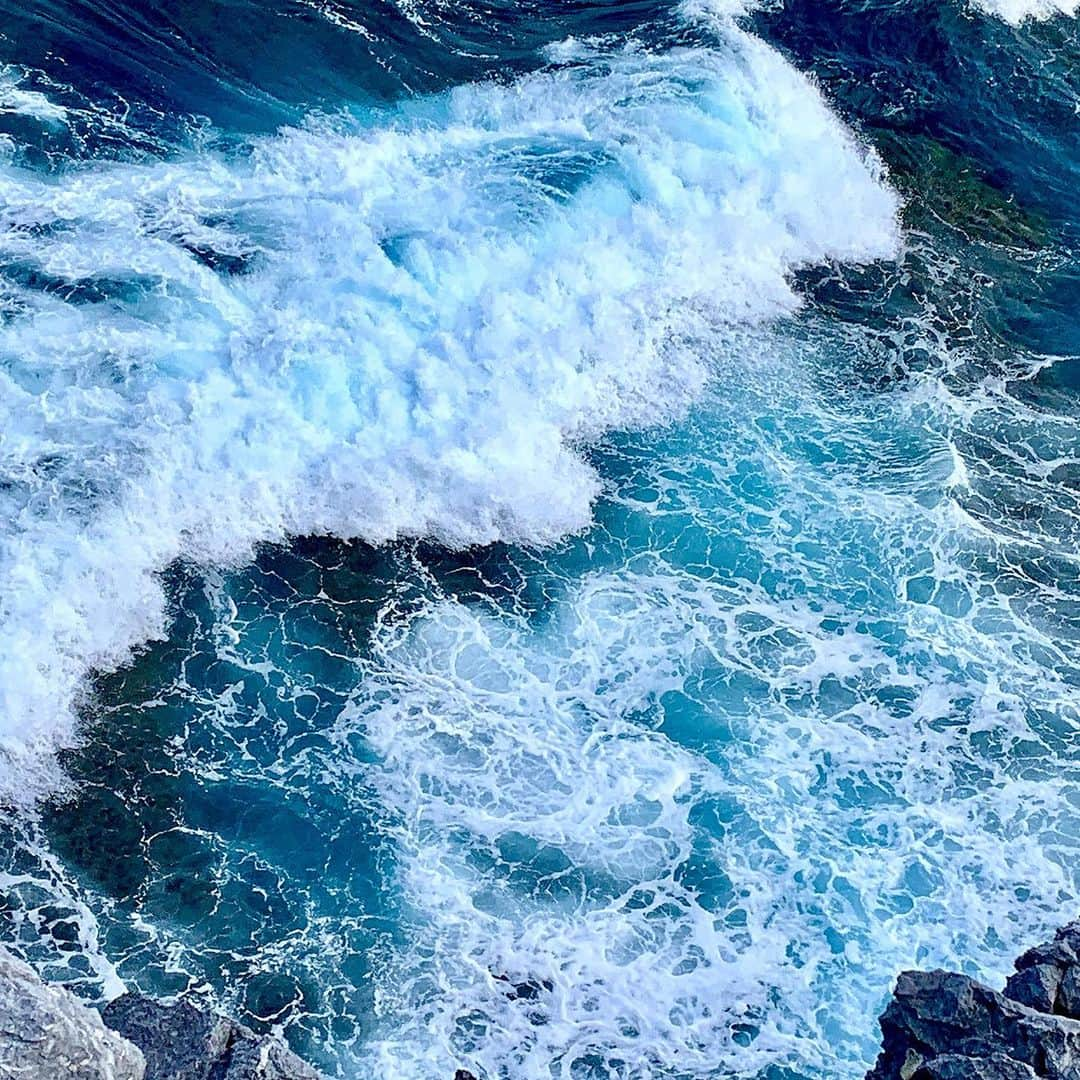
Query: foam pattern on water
[[675, 798], [672, 796], [1016, 11], [395, 326], [705, 812]]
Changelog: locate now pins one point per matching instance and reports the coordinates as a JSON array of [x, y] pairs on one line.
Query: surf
[[398, 324]]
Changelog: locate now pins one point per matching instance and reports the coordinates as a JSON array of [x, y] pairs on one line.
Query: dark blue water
[[539, 537]]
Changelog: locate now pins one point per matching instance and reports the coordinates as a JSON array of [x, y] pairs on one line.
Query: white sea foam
[[793, 718], [17, 100], [1016, 11], [715, 11], [48, 920], [704, 813], [548, 835], [440, 300], [542, 832]]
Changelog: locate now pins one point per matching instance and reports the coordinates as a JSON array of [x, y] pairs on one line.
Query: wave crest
[[397, 325]]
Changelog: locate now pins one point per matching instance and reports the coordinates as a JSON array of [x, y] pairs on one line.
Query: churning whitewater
[[439, 302], [538, 538], [1015, 11]]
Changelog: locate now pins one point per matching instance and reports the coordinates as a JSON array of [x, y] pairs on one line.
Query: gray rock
[[1036, 986], [937, 1014], [253, 1057], [179, 1042], [1068, 937], [957, 1067], [1048, 976], [948, 1027], [1068, 998], [46, 1033], [182, 1042], [1058, 952]]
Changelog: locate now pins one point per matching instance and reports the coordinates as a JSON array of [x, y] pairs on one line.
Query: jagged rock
[[1059, 952], [1068, 999], [1048, 976], [938, 1014], [958, 1067], [464, 1074], [46, 1033], [254, 1057], [182, 1042], [1036, 986], [178, 1041]]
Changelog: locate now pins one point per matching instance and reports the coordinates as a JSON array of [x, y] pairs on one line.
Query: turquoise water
[[539, 541]]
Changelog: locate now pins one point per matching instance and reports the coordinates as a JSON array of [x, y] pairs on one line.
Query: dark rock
[[464, 1074], [252, 1057], [1058, 953], [937, 1015], [1036, 986], [182, 1042], [958, 1067], [948, 1027], [1069, 937], [179, 1042], [1068, 999], [1048, 976]]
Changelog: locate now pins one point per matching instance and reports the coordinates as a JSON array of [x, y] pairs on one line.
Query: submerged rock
[[47, 1033], [182, 1042], [944, 1026]]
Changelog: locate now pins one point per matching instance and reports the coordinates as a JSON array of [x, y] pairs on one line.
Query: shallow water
[[687, 632]]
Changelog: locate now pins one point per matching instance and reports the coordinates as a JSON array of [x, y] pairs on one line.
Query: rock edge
[[46, 1033], [944, 1026]]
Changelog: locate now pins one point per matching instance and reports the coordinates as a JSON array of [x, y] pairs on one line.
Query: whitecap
[[401, 325]]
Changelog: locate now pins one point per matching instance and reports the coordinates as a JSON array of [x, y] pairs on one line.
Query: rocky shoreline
[[47, 1033], [939, 1025], [944, 1026]]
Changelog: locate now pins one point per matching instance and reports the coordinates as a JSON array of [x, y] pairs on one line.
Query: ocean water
[[539, 537]]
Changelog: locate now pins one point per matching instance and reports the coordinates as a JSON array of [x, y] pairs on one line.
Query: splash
[[398, 324], [1017, 11], [698, 818]]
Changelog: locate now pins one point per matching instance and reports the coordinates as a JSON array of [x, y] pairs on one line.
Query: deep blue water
[[539, 537]]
